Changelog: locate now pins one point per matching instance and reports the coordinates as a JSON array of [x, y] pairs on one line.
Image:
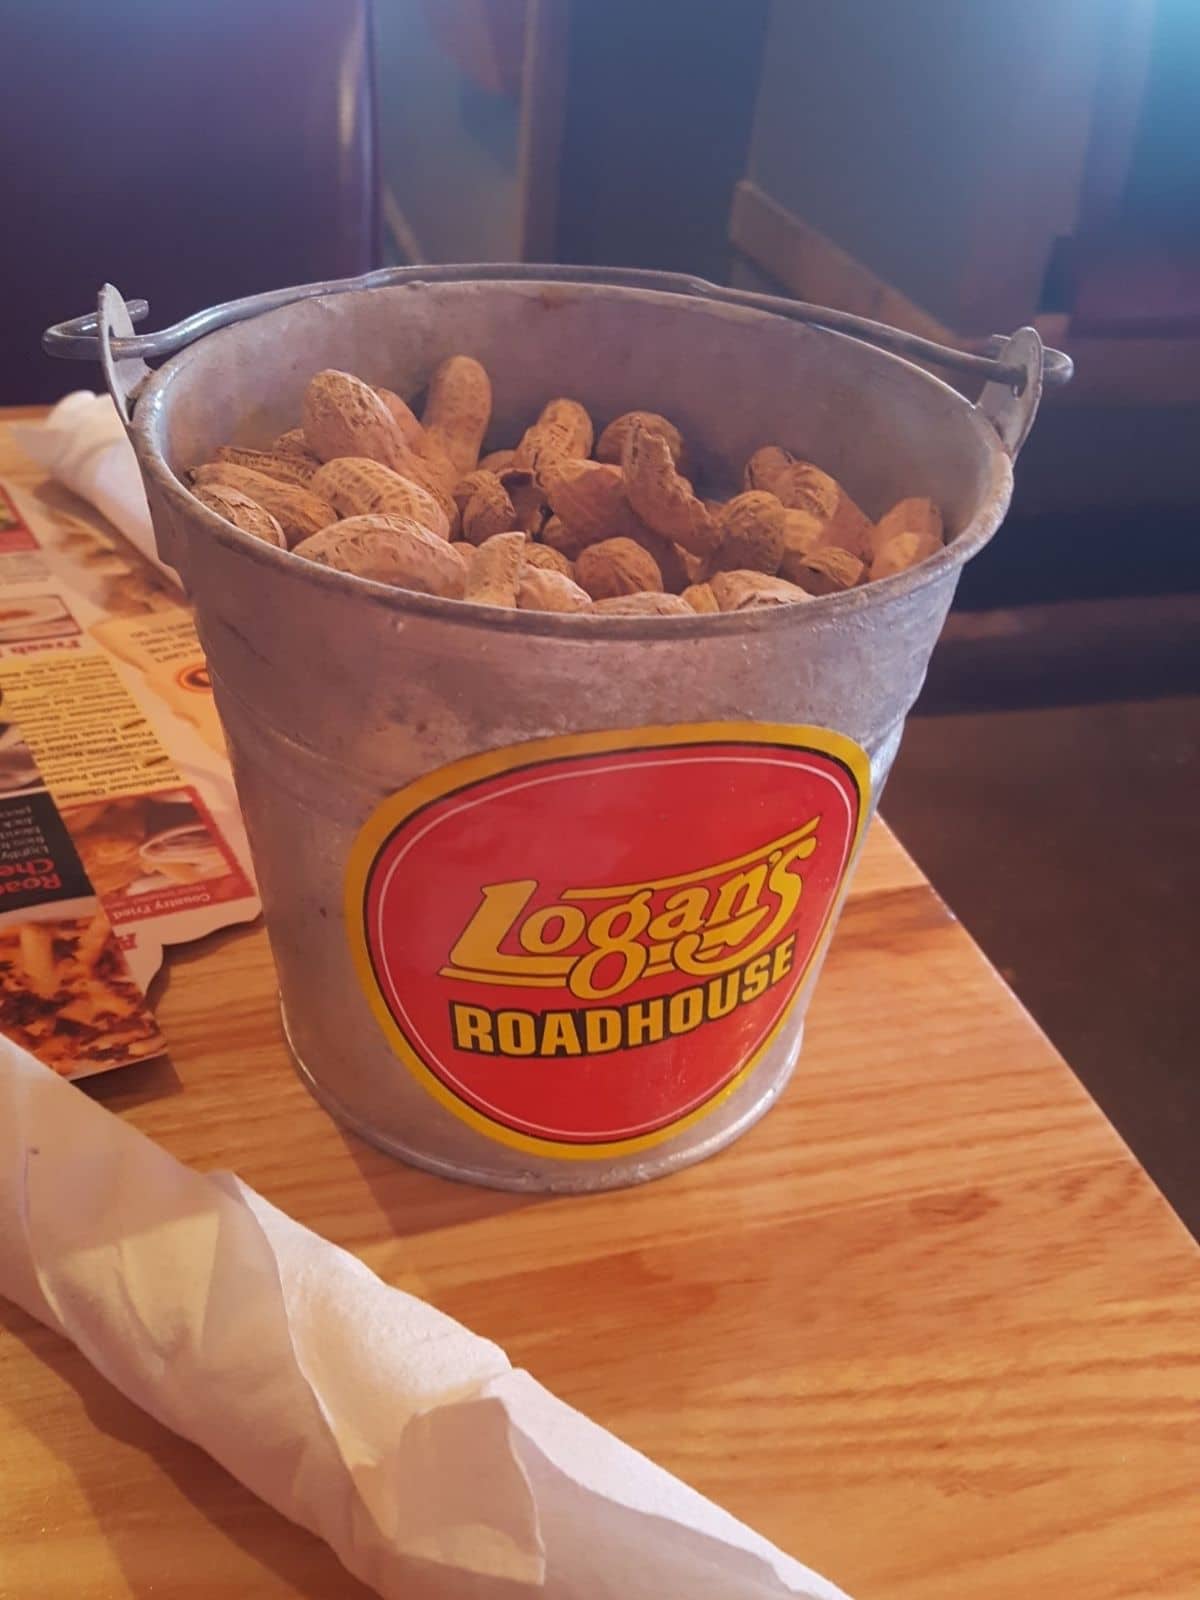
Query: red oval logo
[[580, 944], [195, 676]]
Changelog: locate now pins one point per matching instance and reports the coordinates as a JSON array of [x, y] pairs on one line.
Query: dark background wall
[[658, 116]]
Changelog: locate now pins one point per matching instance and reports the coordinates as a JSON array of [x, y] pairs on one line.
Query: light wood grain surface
[[928, 1325]]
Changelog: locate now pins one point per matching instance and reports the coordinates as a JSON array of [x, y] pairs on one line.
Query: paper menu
[[117, 809]]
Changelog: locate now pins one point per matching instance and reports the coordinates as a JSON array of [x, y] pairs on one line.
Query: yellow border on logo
[[397, 808]]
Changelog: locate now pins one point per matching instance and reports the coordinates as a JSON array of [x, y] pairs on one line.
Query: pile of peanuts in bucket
[[366, 487]]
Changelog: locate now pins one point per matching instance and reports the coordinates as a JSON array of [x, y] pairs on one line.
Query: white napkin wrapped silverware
[[83, 444], [429, 1464]]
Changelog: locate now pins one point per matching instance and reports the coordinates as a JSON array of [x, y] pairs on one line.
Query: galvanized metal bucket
[[528, 877]]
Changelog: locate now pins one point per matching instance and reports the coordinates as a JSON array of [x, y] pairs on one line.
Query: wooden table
[[928, 1325]]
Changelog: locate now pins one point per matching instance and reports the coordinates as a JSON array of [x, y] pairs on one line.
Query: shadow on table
[[415, 1202], [126, 1087], [152, 1551]]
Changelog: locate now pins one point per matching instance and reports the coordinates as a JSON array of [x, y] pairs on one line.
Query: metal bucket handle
[[1016, 367]]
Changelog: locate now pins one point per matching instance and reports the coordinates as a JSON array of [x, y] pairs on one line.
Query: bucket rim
[[153, 400]]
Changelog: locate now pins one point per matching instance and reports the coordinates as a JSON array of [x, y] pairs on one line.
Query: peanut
[[849, 529], [243, 512], [458, 409], [748, 591], [700, 597], [298, 511], [469, 483], [915, 515], [752, 533], [418, 469], [903, 550], [292, 443], [529, 503], [404, 417], [642, 605], [358, 487], [542, 589], [662, 498], [436, 462], [288, 467], [802, 533], [494, 570], [549, 559], [765, 466], [611, 443], [554, 536], [342, 416], [488, 511], [826, 570], [694, 569], [803, 487], [616, 567], [390, 550], [589, 499], [496, 460], [669, 557], [563, 430]]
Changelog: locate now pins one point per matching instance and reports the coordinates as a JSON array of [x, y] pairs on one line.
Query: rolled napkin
[[410, 1445], [83, 444]]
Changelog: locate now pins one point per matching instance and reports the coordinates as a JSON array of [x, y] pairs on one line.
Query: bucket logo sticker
[[581, 945]]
